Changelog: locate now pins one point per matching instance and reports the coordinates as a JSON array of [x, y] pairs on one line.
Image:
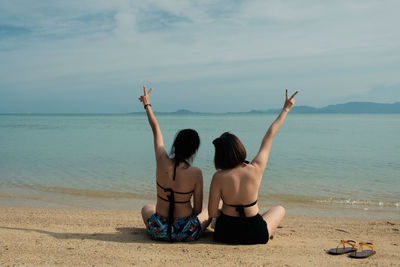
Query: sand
[[42, 236]]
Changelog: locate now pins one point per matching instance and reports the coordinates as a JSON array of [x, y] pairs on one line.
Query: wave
[[46, 193], [320, 200]]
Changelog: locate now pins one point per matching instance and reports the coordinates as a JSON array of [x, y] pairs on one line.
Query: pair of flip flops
[[358, 252]]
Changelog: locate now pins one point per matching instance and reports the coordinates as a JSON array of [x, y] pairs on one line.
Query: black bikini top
[[240, 208], [171, 196]]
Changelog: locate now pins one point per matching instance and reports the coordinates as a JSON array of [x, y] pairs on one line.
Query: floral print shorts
[[183, 229]]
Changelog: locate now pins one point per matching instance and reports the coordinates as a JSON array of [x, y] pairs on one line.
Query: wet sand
[[43, 236]]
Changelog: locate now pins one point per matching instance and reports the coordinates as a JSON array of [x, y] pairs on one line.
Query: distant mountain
[[180, 111], [351, 107], [184, 111], [346, 108], [362, 107]]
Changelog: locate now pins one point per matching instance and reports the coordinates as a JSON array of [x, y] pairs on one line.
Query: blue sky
[[212, 56]]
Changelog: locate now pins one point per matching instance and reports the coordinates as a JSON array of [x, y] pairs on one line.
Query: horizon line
[[183, 111]]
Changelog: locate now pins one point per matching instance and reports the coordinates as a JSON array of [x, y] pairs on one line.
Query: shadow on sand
[[122, 235]]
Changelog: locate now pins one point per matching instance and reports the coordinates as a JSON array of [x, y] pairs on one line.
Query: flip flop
[[363, 253], [340, 251]]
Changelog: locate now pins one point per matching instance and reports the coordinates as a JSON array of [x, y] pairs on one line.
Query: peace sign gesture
[[145, 97], [289, 102]]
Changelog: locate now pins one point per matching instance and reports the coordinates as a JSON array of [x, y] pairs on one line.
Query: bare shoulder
[[217, 177], [196, 173], [254, 168], [164, 161], [195, 169], [251, 167]]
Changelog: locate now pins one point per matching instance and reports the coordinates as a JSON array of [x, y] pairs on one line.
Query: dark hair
[[186, 143], [229, 151]]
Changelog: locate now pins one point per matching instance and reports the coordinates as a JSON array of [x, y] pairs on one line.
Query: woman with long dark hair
[[236, 183], [174, 218]]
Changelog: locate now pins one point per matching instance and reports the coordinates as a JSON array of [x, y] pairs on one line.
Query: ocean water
[[319, 163]]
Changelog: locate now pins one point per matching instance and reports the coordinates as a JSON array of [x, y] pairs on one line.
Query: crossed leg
[[147, 211], [273, 217]]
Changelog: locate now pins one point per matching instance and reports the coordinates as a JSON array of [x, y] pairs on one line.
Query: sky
[[88, 56]]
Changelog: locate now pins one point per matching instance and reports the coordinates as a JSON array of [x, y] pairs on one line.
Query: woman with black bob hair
[[174, 218], [236, 183]]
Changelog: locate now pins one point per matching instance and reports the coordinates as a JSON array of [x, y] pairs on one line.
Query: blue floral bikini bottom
[[183, 229]]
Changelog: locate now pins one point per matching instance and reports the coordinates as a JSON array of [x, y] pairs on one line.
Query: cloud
[[331, 50], [10, 31]]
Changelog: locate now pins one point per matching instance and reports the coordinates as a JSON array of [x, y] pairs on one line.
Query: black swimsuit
[[241, 230], [171, 199]]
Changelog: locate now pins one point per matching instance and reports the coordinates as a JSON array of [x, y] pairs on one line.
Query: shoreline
[[51, 236], [108, 200]]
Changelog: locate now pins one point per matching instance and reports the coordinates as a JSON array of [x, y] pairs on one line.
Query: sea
[[320, 164]]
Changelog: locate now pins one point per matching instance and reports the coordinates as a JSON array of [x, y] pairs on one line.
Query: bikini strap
[[240, 208], [171, 209], [169, 189], [176, 165]]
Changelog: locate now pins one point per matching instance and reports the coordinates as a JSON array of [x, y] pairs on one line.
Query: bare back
[[187, 181], [238, 186]]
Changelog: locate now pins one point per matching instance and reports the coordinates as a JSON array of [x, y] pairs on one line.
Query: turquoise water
[[341, 162]]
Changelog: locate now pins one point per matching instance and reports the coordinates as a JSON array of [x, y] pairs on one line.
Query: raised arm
[[261, 159], [158, 138]]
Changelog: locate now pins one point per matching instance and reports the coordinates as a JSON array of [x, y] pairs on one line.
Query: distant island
[[350, 107], [346, 108]]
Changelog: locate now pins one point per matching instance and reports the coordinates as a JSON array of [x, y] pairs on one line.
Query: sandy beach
[[42, 236]]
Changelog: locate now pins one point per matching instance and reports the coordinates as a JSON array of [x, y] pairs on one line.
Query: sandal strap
[[352, 243], [362, 244], [368, 244]]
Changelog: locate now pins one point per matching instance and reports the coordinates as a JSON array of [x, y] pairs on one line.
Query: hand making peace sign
[[289, 102], [145, 97]]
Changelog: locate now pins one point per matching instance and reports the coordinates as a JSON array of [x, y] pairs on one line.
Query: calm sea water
[[341, 163]]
